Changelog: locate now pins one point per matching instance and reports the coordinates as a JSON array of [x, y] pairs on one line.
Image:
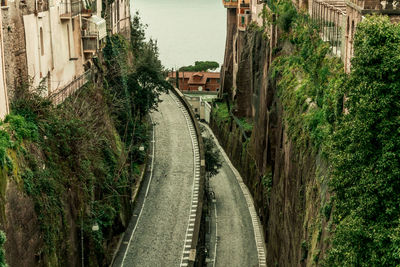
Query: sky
[[186, 30]]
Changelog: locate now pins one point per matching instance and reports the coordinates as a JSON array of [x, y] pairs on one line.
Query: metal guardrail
[[197, 222], [59, 96]]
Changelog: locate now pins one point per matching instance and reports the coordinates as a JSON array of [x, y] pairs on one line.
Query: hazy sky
[[186, 30]]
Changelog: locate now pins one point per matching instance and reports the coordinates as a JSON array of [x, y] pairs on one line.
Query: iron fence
[[330, 18], [70, 8], [59, 96]]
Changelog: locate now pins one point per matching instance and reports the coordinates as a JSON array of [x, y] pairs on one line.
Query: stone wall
[[284, 182], [14, 45]]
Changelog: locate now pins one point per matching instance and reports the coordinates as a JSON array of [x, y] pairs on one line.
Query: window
[[41, 41], [242, 20], [69, 43]]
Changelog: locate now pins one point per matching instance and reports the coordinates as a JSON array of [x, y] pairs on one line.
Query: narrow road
[[235, 238], [159, 226]]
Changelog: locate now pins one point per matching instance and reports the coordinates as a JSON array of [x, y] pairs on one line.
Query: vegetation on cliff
[[353, 120], [79, 162]]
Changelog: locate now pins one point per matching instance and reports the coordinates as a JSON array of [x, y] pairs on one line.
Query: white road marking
[[147, 191], [258, 233], [196, 174]]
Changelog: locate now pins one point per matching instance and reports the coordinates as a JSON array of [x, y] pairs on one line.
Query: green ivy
[[362, 144]]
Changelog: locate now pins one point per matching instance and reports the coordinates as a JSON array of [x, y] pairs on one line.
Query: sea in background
[[186, 30]]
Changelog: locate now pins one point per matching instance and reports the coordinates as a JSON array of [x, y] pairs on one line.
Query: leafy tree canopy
[[201, 66], [366, 152]]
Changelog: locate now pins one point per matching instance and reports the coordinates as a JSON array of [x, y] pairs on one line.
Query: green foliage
[[304, 249], [212, 157], [21, 128], [366, 152], [327, 209], [362, 145], [5, 144], [245, 124], [221, 112], [287, 15], [201, 66], [138, 36], [310, 84], [2, 252], [71, 154], [267, 181]]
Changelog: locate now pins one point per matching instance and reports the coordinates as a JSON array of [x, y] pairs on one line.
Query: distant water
[[186, 30]]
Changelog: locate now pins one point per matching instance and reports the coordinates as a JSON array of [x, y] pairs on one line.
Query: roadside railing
[[330, 16], [59, 96], [196, 233]]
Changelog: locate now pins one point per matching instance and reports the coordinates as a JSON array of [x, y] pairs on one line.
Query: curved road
[[159, 229], [236, 234]]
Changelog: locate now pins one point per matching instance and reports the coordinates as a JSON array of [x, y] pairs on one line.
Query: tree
[[366, 152], [138, 36], [201, 66], [212, 157]]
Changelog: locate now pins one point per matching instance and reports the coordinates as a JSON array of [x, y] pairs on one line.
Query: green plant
[[201, 66], [2, 252], [212, 157], [304, 249], [365, 152]]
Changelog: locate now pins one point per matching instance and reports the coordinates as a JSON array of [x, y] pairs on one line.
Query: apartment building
[[51, 43], [337, 20]]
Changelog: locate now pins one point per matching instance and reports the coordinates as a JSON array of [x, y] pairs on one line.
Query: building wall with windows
[[54, 53], [120, 17]]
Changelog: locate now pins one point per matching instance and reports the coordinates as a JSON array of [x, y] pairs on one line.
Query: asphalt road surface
[[232, 236], [159, 227]]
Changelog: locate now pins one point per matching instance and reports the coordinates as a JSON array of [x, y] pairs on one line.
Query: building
[[120, 17], [200, 107], [242, 10], [337, 19], [356, 10], [51, 44], [197, 81]]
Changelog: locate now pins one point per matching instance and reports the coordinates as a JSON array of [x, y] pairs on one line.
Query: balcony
[[69, 9], [230, 3], [93, 31], [88, 8]]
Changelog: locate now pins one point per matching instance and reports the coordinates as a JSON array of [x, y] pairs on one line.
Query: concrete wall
[[207, 112], [60, 60], [3, 87]]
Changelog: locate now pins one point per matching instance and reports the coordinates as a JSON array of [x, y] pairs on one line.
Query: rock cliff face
[[286, 183]]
